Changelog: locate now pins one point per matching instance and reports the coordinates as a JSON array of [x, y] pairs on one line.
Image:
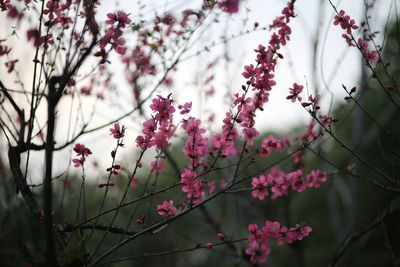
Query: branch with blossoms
[[157, 131], [362, 44]]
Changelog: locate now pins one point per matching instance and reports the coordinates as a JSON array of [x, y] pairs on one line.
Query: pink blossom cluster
[[261, 79], [38, 40], [117, 131], [5, 4], [166, 208], [277, 183], [295, 92], [113, 36], [225, 141], [81, 151], [258, 247], [56, 12], [159, 129], [369, 55], [185, 108], [271, 143], [12, 11], [229, 6], [191, 185], [348, 24], [313, 102], [196, 145], [345, 22]]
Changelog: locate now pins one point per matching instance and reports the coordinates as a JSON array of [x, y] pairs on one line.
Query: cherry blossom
[[120, 17], [369, 56], [229, 6], [345, 22], [276, 183], [259, 187], [191, 185], [166, 208], [295, 92], [81, 151], [117, 131], [185, 108], [258, 247], [271, 143], [196, 144]]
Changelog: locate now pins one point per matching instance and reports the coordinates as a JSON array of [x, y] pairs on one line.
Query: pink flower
[[149, 128], [294, 179], [250, 134], [259, 187], [258, 246], [279, 183], [77, 162], [142, 143], [345, 22], [271, 143], [196, 145], [272, 229], [35, 35], [249, 71], [120, 17], [117, 132], [81, 151], [11, 65], [163, 108], [368, 55], [240, 101], [5, 4], [294, 234], [161, 121], [185, 108], [86, 90], [348, 24], [295, 92], [12, 12], [258, 252], [348, 39], [191, 186], [315, 178], [167, 208], [229, 6], [47, 40]]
